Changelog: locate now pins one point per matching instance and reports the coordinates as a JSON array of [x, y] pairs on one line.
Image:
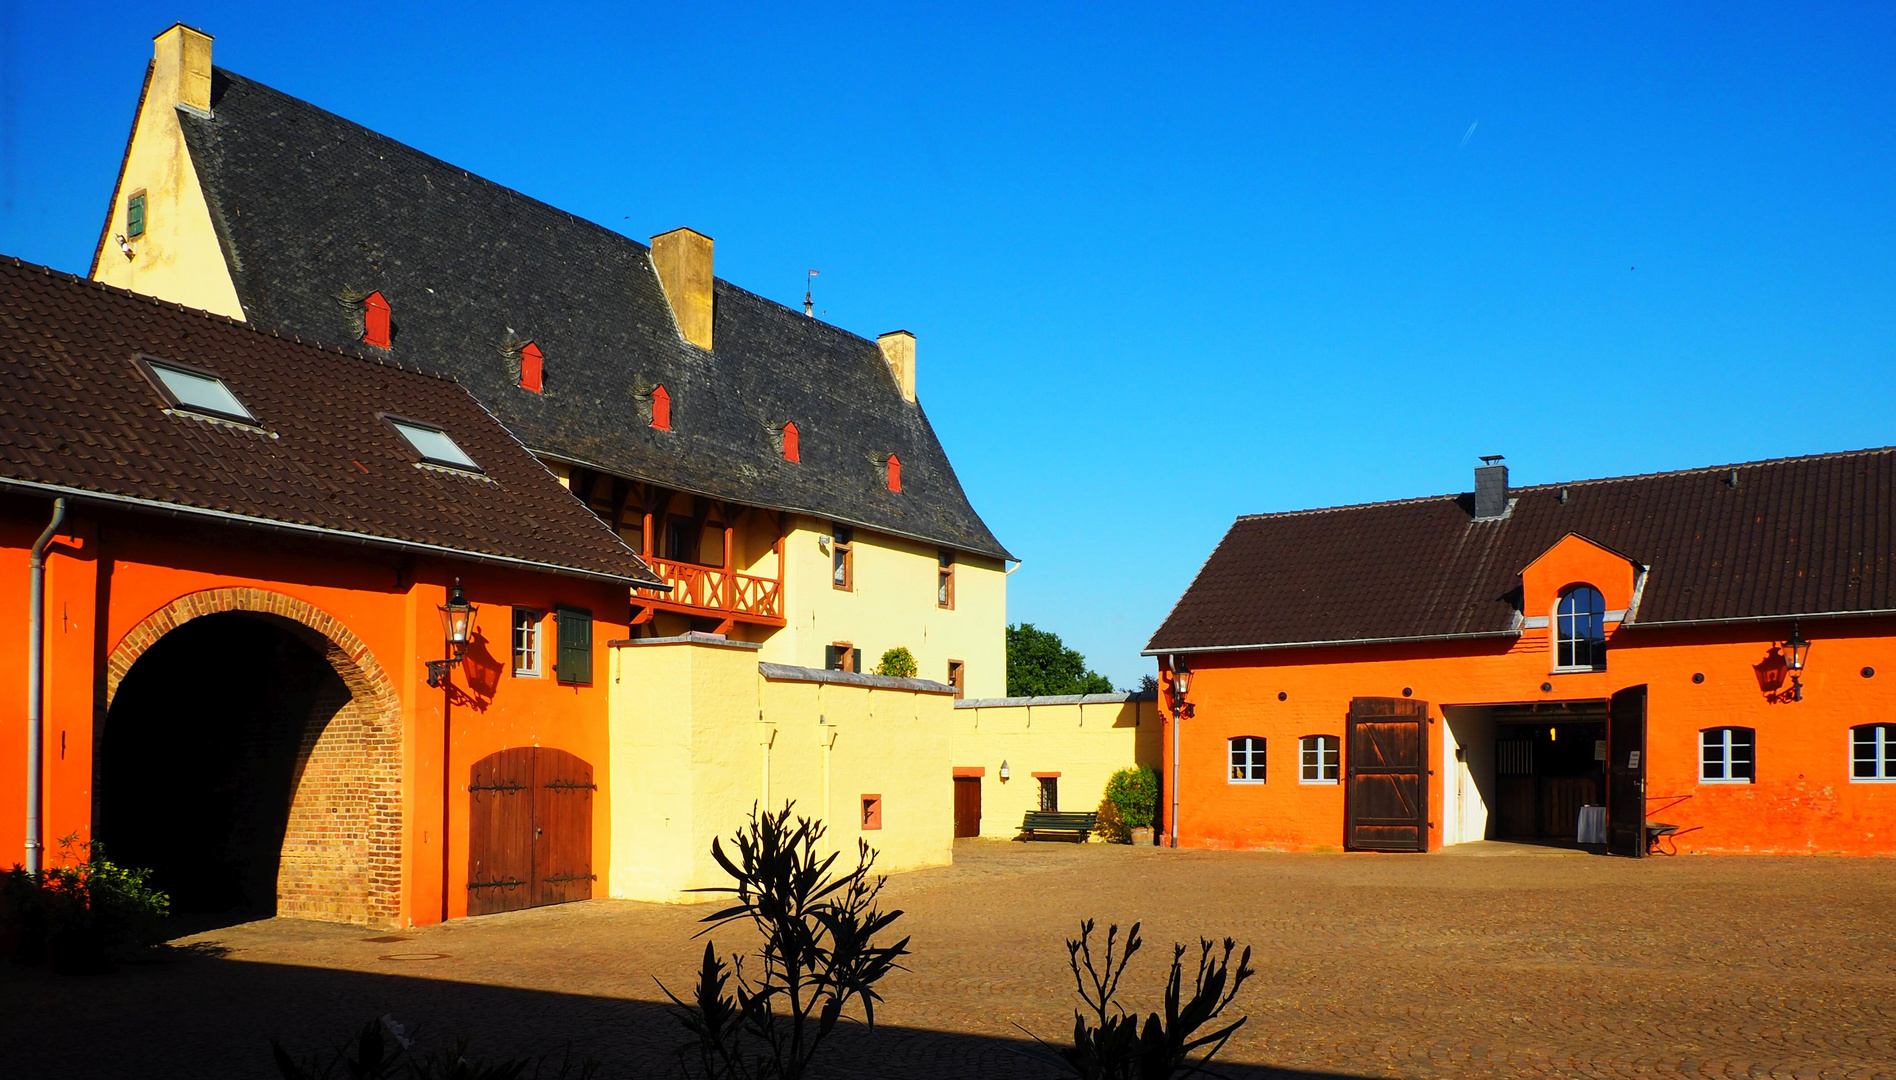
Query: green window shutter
[[575, 630], [135, 216]]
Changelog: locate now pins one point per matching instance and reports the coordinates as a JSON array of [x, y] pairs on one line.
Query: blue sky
[[1166, 264]]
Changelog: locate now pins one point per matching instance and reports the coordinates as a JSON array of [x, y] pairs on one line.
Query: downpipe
[[36, 687]]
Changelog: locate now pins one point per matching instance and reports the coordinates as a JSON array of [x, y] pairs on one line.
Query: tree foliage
[[1039, 665], [898, 662]]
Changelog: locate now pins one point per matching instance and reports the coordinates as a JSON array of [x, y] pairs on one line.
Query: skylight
[[200, 392], [434, 445]]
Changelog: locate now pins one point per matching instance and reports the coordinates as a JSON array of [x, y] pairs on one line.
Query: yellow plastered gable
[[178, 257]]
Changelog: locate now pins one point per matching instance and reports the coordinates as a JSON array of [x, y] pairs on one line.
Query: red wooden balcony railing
[[709, 590]]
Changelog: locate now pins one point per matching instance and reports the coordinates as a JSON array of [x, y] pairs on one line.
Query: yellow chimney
[[683, 260], [181, 68], [898, 348]]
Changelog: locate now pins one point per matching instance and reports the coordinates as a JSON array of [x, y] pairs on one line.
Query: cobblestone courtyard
[[1444, 965]]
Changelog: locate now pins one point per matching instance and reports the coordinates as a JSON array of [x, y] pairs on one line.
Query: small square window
[[526, 643], [198, 391], [1320, 756], [1873, 753], [871, 812], [135, 215], [1727, 755], [434, 445], [1247, 760], [840, 657]]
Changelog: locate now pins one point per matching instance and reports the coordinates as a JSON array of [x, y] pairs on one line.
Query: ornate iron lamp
[[1796, 651], [457, 625], [1181, 685]]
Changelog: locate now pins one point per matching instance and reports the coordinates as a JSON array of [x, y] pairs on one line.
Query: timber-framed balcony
[[713, 592]]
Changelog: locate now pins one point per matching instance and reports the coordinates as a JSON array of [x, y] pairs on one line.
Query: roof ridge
[[1557, 484]]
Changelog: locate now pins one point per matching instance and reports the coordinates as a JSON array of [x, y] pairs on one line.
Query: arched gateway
[[249, 747]]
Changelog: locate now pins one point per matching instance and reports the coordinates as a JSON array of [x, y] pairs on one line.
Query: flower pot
[[1142, 837]]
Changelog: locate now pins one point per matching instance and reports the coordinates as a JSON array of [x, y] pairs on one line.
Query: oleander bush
[[1134, 794], [80, 914]]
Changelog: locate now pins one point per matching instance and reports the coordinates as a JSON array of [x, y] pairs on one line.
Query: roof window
[[531, 364], [791, 450], [661, 409], [198, 391], [433, 444], [375, 321], [895, 474]]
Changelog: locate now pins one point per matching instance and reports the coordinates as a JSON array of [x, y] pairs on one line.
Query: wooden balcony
[[714, 592]]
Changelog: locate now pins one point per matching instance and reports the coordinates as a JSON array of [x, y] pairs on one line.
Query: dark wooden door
[[1626, 773], [967, 806], [529, 830], [1387, 798]]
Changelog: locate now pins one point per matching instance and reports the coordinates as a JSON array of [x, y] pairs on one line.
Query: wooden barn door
[[529, 830], [967, 806], [1626, 773], [1387, 798]]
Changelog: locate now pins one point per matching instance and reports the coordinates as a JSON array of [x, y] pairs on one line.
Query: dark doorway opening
[[967, 806], [1550, 760], [202, 752]]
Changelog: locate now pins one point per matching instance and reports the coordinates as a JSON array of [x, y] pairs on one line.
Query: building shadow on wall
[[213, 1018]]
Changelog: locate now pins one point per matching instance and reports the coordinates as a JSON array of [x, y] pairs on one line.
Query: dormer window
[[791, 451], [530, 367], [661, 409], [375, 321], [894, 469], [1580, 630], [196, 390], [434, 445]]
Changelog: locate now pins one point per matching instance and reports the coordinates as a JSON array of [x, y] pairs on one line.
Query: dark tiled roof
[[78, 415], [1798, 536], [315, 211]]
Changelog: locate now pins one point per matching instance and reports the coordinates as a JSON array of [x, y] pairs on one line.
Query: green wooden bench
[[1053, 821]]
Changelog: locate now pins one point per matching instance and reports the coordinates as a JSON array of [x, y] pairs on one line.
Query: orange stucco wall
[[1802, 800], [108, 572]]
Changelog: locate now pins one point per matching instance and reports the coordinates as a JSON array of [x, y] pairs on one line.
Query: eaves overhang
[[1261, 646]]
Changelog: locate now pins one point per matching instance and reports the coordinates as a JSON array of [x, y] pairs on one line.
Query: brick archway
[[341, 858]]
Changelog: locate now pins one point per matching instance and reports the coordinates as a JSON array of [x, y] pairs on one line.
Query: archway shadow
[[214, 1018]]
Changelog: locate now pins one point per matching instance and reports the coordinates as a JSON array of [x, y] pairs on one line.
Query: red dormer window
[[791, 451], [895, 474], [375, 321], [661, 409], [530, 366]]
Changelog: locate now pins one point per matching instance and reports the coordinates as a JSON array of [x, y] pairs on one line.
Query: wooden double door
[[529, 830]]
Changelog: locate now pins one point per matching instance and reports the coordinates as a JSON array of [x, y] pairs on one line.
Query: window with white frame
[[1580, 630], [1247, 760], [526, 643], [1873, 753], [1726, 755], [1321, 755]]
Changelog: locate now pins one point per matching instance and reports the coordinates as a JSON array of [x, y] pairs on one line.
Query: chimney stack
[[181, 68], [898, 348], [683, 260], [1491, 488]]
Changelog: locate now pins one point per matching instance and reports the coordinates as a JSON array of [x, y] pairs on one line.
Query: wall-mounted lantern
[[457, 626], [1796, 651], [1005, 772]]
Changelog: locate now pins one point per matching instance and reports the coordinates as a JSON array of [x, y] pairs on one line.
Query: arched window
[[375, 321], [1247, 760], [661, 409], [1727, 755], [531, 365], [791, 450], [1320, 756], [1873, 752], [1580, 630], [895, 474]]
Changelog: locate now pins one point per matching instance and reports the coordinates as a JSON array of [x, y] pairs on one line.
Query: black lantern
[[1796, 651], [457, 625], [1181, 682]]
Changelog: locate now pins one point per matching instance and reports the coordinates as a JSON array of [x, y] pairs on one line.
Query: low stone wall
[[1078, 741]]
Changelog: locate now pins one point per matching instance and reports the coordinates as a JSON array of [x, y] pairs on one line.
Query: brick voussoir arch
[[342, 852]]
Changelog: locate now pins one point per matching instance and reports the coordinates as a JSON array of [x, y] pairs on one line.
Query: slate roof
[[79, 416], [315, 211], [1796, 536]]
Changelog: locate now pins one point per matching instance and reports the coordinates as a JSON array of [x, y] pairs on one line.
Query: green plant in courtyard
[[79, 912], [1110, 1044], [898, 662], [818, 954], [1134, 793]]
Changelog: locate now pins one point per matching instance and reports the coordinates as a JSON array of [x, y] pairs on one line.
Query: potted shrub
[[1134, 795]]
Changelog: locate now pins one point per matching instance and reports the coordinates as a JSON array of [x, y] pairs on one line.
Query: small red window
[[895, 474], [791, 451], [375, 321], [661, 409], [530, 365]]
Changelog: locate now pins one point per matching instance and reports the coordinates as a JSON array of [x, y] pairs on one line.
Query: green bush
[[78, 913], [898, 662], [1135, 794], [1109, 826]]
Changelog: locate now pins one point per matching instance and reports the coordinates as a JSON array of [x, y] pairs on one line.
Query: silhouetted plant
[[382, 1050], [818, 955], [79, 912], [1109, 1044]]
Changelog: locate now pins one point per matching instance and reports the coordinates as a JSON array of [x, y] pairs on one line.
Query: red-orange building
[[247, 545], [1706, 659]]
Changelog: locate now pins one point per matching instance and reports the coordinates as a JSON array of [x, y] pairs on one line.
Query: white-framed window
[[1727, 755], [1580, 630], [526, 643], [1320, 757], [1873, 754], [1247, 760]]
